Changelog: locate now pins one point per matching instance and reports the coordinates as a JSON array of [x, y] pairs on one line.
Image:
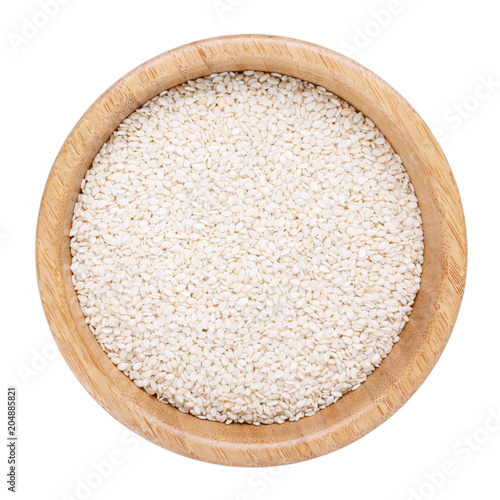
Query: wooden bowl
[[423, 338]]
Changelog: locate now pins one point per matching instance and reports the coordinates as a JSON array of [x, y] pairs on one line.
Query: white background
[[436, 53]]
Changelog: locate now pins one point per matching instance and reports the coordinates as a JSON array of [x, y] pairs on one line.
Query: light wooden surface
[[423, 338]]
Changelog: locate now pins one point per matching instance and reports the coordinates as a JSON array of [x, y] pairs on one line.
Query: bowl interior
[[422, 339]]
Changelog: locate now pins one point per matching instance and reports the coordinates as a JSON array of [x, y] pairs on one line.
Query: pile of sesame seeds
[[247, 247]]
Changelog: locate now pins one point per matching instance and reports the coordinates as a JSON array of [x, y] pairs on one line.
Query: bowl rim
[[218, 443]]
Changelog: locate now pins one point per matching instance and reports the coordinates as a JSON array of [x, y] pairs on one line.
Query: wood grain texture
[[423, 338]]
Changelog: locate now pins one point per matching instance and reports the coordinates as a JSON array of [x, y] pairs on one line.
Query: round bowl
[[423, 338]]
